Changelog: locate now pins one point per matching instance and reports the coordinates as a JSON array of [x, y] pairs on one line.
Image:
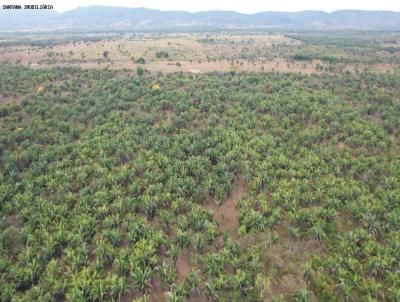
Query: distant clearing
[[193, 53]]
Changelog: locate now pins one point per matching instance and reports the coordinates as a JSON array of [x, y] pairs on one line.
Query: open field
[[208, 53]]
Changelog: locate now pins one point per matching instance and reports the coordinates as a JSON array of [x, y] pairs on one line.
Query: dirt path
[[169, 117], [157, 293], [288, 256], [226, 214], [183, 266]]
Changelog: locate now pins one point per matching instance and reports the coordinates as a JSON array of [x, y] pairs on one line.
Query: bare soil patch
[[129, 296], [226, 214], [15, 98], [287, 257], [340, 146], [13, 220], [169, 114], [183, 265], [197, 298], [346, 223], [157, 292]]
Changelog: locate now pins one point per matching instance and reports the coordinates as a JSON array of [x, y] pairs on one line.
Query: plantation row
[[110, 186]]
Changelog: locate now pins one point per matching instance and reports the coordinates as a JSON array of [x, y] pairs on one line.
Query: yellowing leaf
[[40, 89], [155, 87]]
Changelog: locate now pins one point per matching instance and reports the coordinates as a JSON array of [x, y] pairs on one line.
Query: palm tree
[[141, 277], [193, 280], [75, 294], [317, 231], [242, 282], [98, 290], [183, 238], [7, 292], [302, 295], [199, 242], [211, 290], [167, 274], [174, 250], [174, 297], [117, 286], [394, 293]]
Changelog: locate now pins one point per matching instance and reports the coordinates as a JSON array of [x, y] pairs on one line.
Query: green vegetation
[[162, 54], [140, 61], [140, 71], [120, 185], [346, 47]]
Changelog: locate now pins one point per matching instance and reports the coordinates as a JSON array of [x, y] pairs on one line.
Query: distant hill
[[97, 18]]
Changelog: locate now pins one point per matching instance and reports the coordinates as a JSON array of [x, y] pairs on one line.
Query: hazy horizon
[[248, 7]]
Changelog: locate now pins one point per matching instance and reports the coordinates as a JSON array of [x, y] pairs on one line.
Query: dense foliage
[[110, 181], [346, 47]]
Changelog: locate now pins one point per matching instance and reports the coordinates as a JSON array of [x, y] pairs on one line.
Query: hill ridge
[[93, 18]]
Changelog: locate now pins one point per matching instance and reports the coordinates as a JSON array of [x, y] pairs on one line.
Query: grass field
[[203, 53]]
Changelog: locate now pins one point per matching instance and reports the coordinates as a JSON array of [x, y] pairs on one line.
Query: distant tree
[[162, 54], [140, 61], [140, 70]]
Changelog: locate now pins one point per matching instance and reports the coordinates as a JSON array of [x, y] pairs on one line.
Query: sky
[[244, 6]]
